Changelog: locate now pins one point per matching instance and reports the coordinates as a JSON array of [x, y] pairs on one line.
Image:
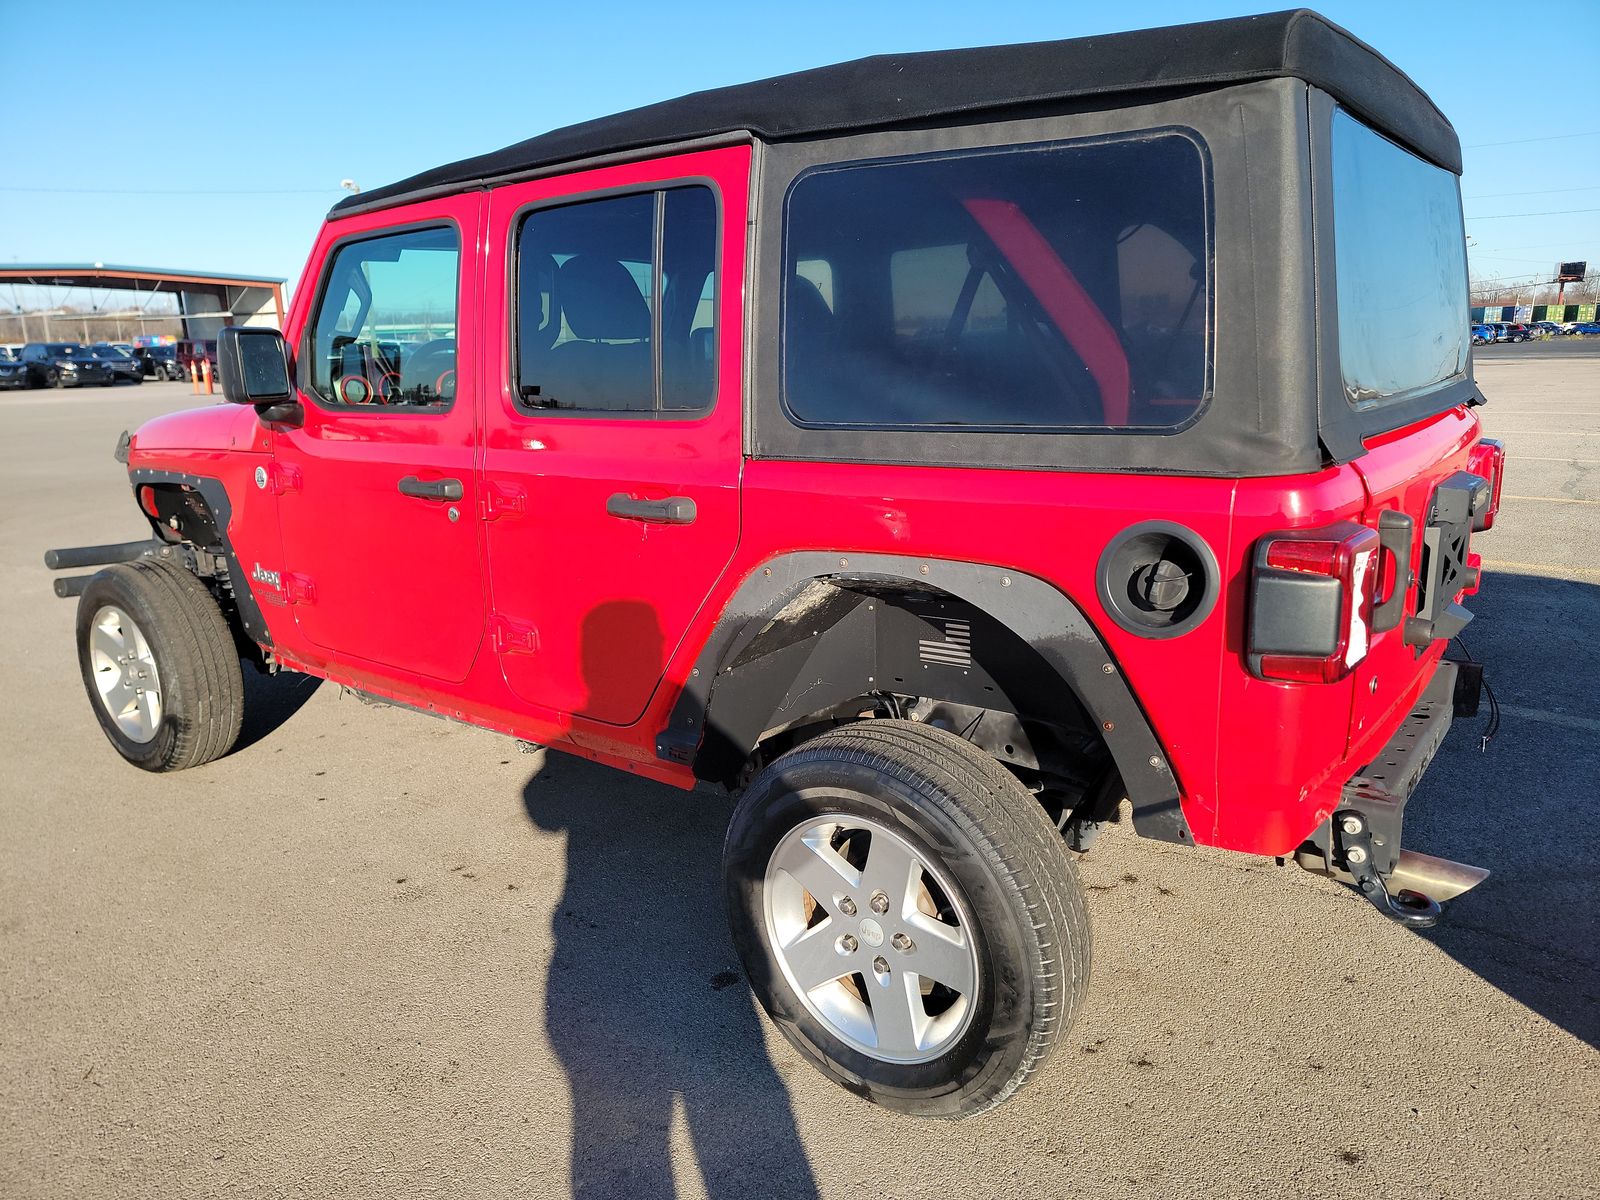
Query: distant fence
[[1559, 313]]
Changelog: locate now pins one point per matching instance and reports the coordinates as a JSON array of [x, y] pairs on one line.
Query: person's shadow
[[645, 1005]]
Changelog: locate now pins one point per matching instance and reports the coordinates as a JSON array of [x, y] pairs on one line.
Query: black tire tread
[[1021, 844], [197, 656], [220, 705]]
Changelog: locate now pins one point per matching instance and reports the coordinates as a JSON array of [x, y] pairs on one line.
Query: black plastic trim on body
[[216, 497]]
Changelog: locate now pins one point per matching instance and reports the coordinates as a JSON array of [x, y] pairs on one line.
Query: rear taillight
[[1488, 461], [1311, 607]]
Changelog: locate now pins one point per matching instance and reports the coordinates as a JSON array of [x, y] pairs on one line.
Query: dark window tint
[[385, 329], [1400, 255], [615, 303], [1048, 286]]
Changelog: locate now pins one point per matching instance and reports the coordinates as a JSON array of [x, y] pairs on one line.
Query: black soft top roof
[[895, 89]]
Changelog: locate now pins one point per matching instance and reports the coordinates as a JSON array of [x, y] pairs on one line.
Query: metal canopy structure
[[207, 300]]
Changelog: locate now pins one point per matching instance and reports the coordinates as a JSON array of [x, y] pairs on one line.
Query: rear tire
[[174, 638], [988, 875]]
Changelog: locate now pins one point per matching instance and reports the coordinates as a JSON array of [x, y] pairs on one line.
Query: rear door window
[[616, 304], [1050, 286]]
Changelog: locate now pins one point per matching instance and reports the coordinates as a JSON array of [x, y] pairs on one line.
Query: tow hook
[[1354, 843]]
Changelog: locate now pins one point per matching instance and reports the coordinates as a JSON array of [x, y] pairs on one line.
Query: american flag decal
[[954, 649]]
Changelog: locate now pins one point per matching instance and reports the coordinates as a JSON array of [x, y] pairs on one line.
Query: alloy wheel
[[875, 940], [125, 674]]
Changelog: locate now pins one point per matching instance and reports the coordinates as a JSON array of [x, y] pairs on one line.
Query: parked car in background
[[122, 364], [1510, 331], [1588, 328], [159, 362], [13, 372], [64, 364], [194, 351], [1544, 329], [1482, 334]]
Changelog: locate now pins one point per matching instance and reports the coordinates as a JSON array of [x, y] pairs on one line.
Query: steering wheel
[[429, 363]]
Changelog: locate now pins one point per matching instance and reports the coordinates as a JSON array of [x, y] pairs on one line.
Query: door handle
[[432, 489], [674, 510]]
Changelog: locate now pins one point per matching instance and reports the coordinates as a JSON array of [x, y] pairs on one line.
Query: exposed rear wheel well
[[848, 650]]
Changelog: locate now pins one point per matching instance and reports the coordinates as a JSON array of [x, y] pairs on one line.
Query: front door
[[378, 499], [612, 445]]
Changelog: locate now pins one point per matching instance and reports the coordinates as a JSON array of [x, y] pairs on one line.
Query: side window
[[616, 304], [1048, 286], [1400, 264], [385, 330]]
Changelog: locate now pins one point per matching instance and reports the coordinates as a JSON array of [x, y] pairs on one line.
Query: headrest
[[601, 301], [808, 310]]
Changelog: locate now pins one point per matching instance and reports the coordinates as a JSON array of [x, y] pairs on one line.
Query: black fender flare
[[215, 495], [1038, 612]]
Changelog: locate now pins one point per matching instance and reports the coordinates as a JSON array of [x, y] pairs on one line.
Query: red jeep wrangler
[[942, 451]]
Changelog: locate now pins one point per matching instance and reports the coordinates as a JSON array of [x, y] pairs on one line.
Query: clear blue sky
[[276, 103]]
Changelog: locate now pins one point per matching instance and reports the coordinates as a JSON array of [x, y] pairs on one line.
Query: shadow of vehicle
[[645, 1005], [269, 702], [1526, 808]]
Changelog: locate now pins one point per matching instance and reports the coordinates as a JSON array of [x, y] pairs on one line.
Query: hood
[[225, 427]]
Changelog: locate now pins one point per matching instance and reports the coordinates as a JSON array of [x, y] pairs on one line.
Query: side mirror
[[253, 363]]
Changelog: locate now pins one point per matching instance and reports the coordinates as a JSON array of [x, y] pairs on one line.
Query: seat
[[812, 379], [606, 364]]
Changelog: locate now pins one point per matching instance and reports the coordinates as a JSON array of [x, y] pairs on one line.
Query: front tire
[[908, 916], [160, 665]]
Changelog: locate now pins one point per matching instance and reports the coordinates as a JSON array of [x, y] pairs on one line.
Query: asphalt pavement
[[371, 954]]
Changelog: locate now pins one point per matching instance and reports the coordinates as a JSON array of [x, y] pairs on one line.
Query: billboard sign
[[1571, 272]]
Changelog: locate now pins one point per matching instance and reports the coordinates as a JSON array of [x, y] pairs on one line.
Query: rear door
[[1404, 367], [612, 422], [378, 497]]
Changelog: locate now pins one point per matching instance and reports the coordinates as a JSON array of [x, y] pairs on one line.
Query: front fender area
[[222, 496], [231, 427], [792, 639]]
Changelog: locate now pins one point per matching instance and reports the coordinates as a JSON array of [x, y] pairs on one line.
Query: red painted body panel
[[609, 599], [215, 427], [389, 579], [443, 615]]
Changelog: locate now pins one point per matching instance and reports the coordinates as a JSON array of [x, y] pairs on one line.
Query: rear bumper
[[1380, 790], [1378, 793]]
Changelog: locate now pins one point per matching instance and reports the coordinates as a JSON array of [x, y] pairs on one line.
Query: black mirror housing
[[253, 362]]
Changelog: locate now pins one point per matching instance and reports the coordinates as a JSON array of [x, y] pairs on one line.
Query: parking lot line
[[1551, 499], [1551, 569], [1588, 724]]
